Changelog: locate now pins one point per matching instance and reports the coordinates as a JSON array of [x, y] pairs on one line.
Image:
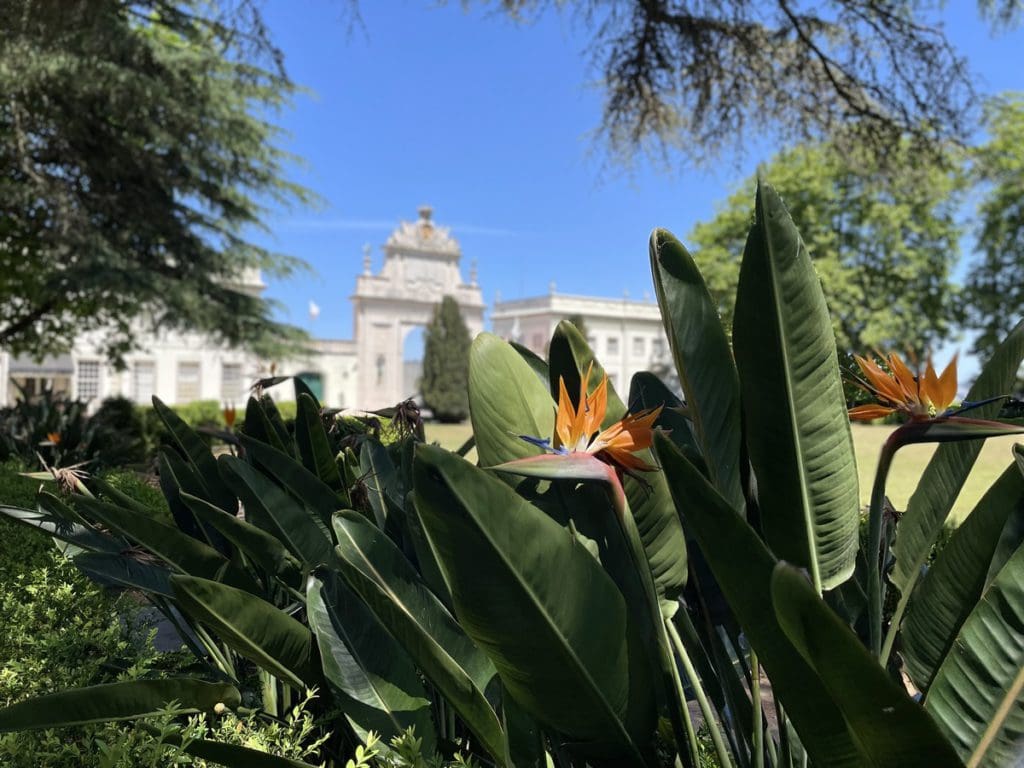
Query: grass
[[903, 477]]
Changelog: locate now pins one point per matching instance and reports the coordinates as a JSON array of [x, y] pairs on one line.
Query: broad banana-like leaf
[[950, 590], [537, 363], [977, 695], [945, 474], [235, 756], [116, 701], [377, 571], [258, 428], [647, 391], [370, 674], [263, 549], [311, 440], [198, 454], [177, 477], [743, 567], [889, 727], [703, 360], [296, 479], [298, 529], [253, 628], [506, 399], [550, 618], [649, 499], [180, 550], [797, 430], [124, 572], [64, 530], [379, 477]]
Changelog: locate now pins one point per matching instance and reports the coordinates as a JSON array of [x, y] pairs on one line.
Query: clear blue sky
[[491, 123]]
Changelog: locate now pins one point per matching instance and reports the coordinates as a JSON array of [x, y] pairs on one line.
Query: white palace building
[[421, 266]]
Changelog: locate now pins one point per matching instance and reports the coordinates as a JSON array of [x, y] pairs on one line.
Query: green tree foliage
[[134, 148], [446, 363], [883, 242], [994, 293]]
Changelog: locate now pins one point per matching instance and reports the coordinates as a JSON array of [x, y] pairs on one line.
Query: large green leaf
[[378, 572], [368, 671], [254, 628], [313, 444], [235, 756], [945, 474], [185, 553], [977, 695], [506, 399], [177, 477], [295, 478], [298, 528], [649, 499], [116, 701], [743, 567], [550, 618], [258, 428], [124, 572], [198, 454], [703, 360], [263, 549], [379, 477], [888, 726], [797, 429], [64, 530], [955, 582]]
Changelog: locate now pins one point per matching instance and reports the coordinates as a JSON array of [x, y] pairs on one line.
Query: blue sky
[[492, 124]]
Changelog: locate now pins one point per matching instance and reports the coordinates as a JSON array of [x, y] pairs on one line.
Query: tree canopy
[[994, 291], [695, 77], [134, 150], [445, 378], [883, 241]]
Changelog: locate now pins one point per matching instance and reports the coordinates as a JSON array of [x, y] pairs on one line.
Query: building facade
[[421, 265]]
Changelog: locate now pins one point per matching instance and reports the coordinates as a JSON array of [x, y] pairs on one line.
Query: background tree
[[445, 378], [693, 77], [883, 241], [994, 291], [133, 149]]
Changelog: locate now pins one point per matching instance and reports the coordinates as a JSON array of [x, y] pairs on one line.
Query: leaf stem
[[755, 693]]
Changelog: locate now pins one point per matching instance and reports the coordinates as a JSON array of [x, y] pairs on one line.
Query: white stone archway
[[421, 267]]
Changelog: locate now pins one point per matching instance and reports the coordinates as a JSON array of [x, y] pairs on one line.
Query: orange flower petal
[[564, 417], [931, 390], [869, 412], [880, 381], [947, 384], [905, 379], [597, 405]]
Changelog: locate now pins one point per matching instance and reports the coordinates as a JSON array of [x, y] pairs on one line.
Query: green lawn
[[903, 477]]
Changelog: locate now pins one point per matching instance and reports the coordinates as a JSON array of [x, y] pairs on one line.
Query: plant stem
[[755, 694], [702, 699], [691, 734], [876, 513]]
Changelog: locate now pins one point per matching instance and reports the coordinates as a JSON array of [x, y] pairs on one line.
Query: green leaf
[[647, 391], [258, 428], [61, 528], [379, 477], [262, 548], [649, 499], [535, 361], [198, 454], [178, 477], [703, 360], [887, 725], [120, 571], [368, 671], [506, 400], [298, 528], [550, 618], [743, 567], [945, 474], [116, 701], [254, 628], [378, 572], [311, 440], [797, 429], [296, 479], [954, 583], [235, 756], [977, 695]]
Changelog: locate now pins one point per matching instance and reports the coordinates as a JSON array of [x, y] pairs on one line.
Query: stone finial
[[472, 272], [366, 259], [425, 212], [551, 288]]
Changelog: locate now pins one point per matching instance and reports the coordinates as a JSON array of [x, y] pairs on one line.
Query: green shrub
[[23, 548], [116, 434]]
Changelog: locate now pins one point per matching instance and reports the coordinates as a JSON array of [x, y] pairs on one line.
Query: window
[[638, 346], [143, 381], [231, 384], [657, 348], [613, 345], [592, 341], [88, 379], [188, 383]]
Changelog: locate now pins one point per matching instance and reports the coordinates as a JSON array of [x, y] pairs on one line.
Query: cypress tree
[[446, 363]]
